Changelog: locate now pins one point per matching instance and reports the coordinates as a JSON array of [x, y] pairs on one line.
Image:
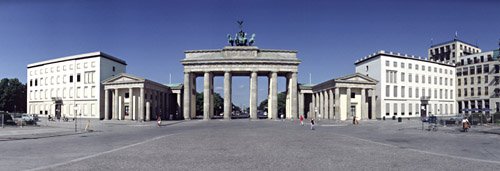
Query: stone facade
[[239, 61]]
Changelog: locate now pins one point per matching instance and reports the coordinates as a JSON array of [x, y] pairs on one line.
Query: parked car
[[27, 118], [7, 119]]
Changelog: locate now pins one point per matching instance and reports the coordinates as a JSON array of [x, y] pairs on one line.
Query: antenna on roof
[[432, 41], [310, 82], [456, 35], [169, 78]]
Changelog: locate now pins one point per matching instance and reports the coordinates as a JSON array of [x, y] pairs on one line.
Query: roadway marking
[[332, 125], [99, 154], [422, 151]]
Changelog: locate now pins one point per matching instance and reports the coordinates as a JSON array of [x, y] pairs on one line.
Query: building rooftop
[[454, 40], [399, 55], [80, 56]]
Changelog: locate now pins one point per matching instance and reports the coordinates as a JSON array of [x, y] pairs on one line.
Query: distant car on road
[[7, 119], [27, 118]]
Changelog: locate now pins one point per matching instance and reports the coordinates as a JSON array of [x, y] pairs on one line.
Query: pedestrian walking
[[465, 124], [301, 118], [312, 124], [355, 121], [158, 120]]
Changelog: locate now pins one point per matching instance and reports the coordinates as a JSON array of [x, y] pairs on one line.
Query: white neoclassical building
[[128, 97], [343, 98], [410, 86], [72, 84]]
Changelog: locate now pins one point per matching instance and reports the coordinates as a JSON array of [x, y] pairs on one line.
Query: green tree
[[12, 95], [281, 103], [218, 104]]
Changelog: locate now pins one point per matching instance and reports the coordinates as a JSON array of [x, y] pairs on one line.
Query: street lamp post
[[76, 111]]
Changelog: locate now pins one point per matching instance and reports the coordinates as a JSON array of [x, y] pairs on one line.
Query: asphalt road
[[256, 145]]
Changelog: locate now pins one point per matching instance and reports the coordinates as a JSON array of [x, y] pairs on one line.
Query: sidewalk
[[45, 129]]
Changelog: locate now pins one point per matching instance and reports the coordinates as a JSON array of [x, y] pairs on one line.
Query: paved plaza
[[256, 145]]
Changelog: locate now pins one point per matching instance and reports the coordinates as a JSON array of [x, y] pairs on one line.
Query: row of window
[[472, 82], [56, 69], [85, 109], [391, 77], [85, 92], [444, 49], [429, 68], [416, 109], [395, 90], [478, 69], [88, 78], [472, 92]]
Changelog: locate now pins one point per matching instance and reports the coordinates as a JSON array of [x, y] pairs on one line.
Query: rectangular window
[[486, 91], [416, 78], [479, 79], [402, 77], [485, 79], [410, 108], [402, 109], [459, 93], [402, 91], [471, 80], [471, 91], [387, 63], [71, 78], [429, 80], [409, 66], [417, 109], [387, 109], [416, 93], [479, 91], [78, 78], [395, 91], [441, 93], [423, 78], [410, 92], [93, 91], [465, 81], [440, 80], [395, 109], [465, 92], [387, 90], [402, 65], [395, 64], [416, 66], [410, 78]]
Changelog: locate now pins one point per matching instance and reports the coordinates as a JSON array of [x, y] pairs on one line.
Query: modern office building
[[409, 86], [71, 85], [452, 51]]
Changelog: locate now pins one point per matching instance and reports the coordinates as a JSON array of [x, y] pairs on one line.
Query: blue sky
[[152, 35]]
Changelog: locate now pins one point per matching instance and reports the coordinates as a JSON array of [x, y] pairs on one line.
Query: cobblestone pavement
[[258, 145]]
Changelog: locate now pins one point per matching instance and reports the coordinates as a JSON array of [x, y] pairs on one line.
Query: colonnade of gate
[[189, 105]]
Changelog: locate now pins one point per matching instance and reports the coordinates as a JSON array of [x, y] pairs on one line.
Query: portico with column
[[129, 97], [344, 98], [240, 61]]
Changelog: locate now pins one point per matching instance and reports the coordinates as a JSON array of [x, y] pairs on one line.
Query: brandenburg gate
[[241, 58]]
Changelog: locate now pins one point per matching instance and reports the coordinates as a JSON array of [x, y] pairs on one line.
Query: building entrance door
[[58, 111], [353, 111]]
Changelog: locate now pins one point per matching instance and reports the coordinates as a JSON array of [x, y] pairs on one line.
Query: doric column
[[273, 94], [326, 104], [131, 104], [141, 105], [374, 104], [228, 108], [301, 104], [288, 96], [179, 104], [193, 96], [294, 103], [330, 104], [321, 104], [120, 107], [206, 96], [336, 114], [253, 95], [212, 98], [148, 110], [187, 96], [116, 106], [364, 111], [348, 103], [312, 109], [106, 104]]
